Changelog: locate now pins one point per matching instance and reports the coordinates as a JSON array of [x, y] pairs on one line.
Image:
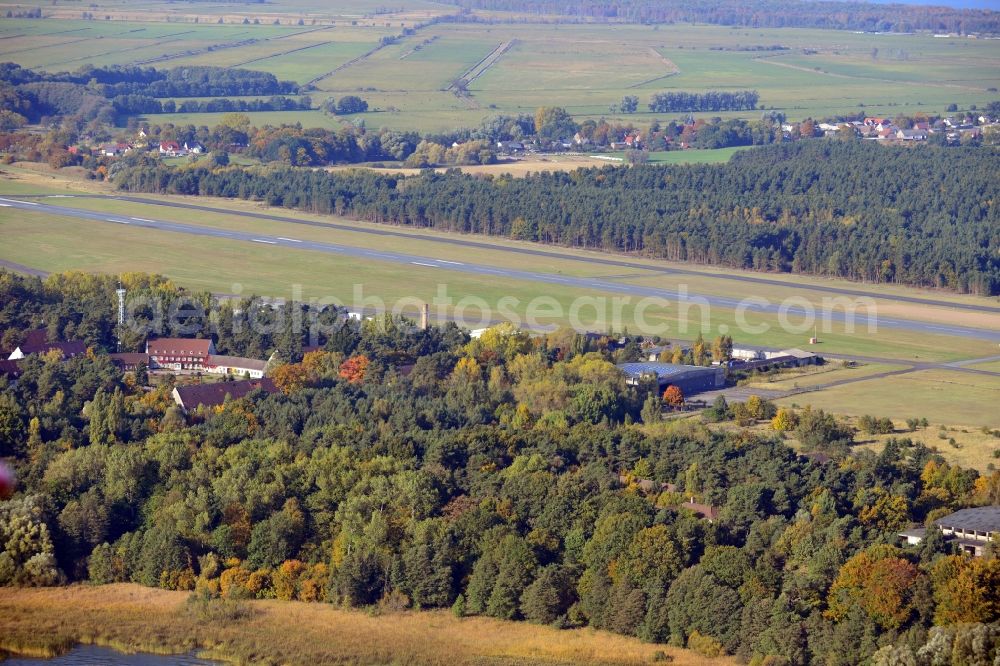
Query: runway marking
[[261, 240], [111, 219], [59, 196], [142, 219], [290, 240], [420, 263], [454, 263], [3, 205], [18, 201]]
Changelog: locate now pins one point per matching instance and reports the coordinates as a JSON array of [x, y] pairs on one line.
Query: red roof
[[170, 145], [702, 510], [36, 337], [215, 394], [179, 347], [129, 358], [68, 349], [10, 369]]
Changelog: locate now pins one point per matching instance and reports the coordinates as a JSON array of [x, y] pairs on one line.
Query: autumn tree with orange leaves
[[291, 377], [966, 589], [674, 397], [354, 369], [880, 583]]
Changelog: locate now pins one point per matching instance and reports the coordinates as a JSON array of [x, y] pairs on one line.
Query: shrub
[[458, 608], [207, 608], [313, 583], [286, 578], [233, 582], [706, 646], [259, 583]]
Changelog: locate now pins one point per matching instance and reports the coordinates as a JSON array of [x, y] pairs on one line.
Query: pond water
[[92, 655]]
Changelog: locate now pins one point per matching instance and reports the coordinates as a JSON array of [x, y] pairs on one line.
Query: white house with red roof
[[171, 148]]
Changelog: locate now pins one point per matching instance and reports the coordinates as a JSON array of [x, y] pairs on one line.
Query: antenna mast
[[121, 312]]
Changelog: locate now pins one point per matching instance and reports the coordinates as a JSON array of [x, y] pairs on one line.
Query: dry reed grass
[[131, 618]]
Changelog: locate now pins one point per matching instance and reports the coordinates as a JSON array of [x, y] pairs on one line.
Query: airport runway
[[588, 284], [530, 251]]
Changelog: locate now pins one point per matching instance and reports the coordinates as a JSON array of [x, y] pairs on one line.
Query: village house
[[912, 135], [194, 147], [114, 149], [510, 146], [633, 140], [171, 149]]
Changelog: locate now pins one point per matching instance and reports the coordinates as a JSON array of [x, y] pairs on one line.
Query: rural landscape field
[[499, 332]]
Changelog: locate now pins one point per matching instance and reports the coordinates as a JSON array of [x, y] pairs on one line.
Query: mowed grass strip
[[941, 396], [819, 375], [992, 366], [133, 619]]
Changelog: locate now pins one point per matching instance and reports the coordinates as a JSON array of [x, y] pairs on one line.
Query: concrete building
[[971, 529], [690, 379]]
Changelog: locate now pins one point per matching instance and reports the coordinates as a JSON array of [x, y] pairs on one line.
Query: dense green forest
[[506, 476], [101, 93], [760, 13], [924, 215]]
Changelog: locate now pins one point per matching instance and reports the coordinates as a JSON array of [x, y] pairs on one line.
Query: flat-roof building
[[689, 379], [972, 529]]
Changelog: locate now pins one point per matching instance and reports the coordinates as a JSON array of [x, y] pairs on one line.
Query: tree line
[[884, 214], [133, 105], [839, 15], [713, 100], [507, 476]]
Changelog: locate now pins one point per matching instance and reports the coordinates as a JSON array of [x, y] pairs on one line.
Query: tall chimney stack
[[425, 316]]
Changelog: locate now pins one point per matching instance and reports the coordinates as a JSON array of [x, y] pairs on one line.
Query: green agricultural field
[[585, 68]]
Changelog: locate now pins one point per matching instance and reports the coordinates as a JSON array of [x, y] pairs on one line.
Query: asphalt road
[[499, 273]]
